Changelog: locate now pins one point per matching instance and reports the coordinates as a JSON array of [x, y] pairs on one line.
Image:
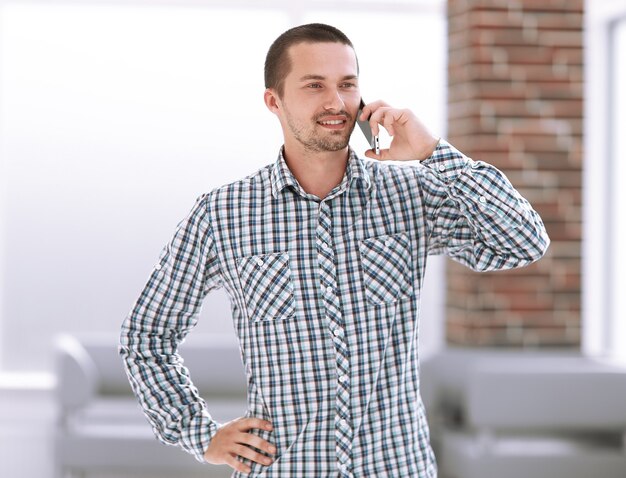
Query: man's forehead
[[329, 55]]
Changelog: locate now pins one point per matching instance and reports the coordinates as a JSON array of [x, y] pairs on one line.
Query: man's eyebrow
[[320, 77], [312, 77]]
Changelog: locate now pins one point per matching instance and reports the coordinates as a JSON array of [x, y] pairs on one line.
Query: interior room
[[115, 115]]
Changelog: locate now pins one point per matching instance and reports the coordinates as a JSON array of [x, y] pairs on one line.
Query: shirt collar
[[281, 176]]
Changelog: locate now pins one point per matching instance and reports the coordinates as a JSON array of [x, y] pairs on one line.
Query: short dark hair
[[277, 61]]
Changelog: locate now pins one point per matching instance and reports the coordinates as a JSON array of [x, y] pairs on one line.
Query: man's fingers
[[386, 116], [234, 440], [370, 109], [237, 465], [377, 118], [383, 156], [388, 121], [247, 452], [256, 442], [371, 154], [246, 424]]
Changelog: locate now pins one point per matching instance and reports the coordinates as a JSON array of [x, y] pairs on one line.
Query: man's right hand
[[233, 440]]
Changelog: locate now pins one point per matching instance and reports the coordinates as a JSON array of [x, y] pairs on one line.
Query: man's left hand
[[411, 140]]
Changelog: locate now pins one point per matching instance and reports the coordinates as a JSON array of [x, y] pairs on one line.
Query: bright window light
[[618, 203], [114, 118]]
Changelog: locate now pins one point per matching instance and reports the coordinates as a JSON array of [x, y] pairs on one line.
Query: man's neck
[[317, 172]]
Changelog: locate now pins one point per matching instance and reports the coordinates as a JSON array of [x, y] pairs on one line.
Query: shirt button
[[337, 332], [442, 168], [329, 291], [343, 379], [158, 267], [259, 262], [483, 199]]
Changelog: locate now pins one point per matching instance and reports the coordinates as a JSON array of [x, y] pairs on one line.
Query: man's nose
[[334, 100]]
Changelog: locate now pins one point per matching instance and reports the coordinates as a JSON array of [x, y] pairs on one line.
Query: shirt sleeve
[[163, 315], [476, 216]]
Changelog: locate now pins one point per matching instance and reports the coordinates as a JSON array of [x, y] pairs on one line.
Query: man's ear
[[272, 101]]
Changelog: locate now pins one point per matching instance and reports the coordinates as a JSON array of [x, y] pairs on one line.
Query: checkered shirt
[[325, 302]]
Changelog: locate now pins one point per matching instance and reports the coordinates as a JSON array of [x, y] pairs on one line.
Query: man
[[322, 255]]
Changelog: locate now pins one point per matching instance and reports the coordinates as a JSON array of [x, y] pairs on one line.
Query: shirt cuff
[[196, 437], [447, 162]]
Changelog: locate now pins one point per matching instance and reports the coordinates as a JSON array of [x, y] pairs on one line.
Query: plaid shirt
[[325, 302]]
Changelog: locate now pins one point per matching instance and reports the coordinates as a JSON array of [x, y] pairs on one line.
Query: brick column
[[515, 100]]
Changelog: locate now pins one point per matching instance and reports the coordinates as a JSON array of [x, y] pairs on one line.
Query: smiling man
[[316, 103], [323, 256]]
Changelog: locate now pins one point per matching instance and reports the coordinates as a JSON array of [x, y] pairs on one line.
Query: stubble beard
[[315, 142]]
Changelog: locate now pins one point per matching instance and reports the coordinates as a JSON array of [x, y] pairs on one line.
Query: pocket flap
[[267, 286], [387, 271]]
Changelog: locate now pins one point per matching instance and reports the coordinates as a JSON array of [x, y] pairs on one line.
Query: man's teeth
[[332, 122]]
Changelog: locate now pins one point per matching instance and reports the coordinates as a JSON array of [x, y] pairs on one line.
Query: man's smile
[[333, 122]]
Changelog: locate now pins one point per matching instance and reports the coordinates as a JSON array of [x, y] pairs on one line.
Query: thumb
[[380, 157]]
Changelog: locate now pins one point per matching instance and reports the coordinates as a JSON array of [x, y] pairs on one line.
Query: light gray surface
[[564, 393], [463, 456], [101, 426], [503, 413]]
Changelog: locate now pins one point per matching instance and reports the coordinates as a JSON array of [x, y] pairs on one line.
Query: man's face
[[321, 96]]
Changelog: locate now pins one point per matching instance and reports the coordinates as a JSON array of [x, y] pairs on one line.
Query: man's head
[[311, 75], [278, 62]]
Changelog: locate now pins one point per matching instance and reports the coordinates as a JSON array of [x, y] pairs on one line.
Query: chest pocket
[[387, 271], [267, 286]]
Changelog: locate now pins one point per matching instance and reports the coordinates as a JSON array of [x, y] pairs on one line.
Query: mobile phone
[[367, 130]]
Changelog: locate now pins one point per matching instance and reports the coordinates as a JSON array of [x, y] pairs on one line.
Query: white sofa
[[507, 414], [101, 427]]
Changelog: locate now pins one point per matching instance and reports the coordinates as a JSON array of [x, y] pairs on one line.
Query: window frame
[[597, 246]]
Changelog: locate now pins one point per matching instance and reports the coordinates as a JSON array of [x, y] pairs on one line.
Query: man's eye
[[315, 85], [349, 85]]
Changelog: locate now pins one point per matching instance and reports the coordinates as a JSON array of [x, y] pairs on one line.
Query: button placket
[[328, 281]]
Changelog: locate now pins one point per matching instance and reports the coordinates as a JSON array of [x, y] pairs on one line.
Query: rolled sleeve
[[165, 312], [480, 219]]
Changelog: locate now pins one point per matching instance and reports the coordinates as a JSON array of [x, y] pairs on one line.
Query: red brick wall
[[515, 100]]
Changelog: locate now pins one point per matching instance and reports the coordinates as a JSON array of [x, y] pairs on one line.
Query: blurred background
[[116, 114]]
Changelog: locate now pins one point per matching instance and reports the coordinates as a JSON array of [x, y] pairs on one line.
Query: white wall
[[27, 418], [113, 119]]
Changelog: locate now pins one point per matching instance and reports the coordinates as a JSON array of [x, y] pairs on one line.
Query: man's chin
[[334, 143], [338, 146]]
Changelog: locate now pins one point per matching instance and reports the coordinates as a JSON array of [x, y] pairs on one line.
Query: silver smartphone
[[367, 131]]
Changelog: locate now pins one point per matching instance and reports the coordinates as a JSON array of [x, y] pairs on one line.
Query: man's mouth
[[333, 123]]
